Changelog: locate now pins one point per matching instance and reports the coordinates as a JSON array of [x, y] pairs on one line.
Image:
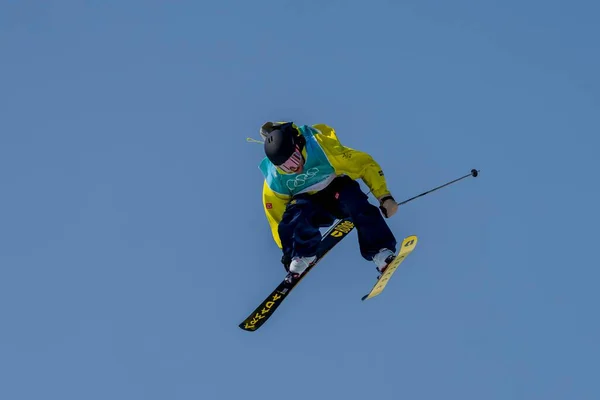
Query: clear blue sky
[[133, 239]]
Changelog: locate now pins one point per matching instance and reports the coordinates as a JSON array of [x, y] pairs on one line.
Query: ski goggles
[[293, 163]]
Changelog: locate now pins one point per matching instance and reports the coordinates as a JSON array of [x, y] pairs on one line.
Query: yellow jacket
[[345, 161]]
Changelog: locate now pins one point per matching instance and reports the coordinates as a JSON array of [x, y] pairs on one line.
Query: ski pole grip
[[381, 207], [384, 211]]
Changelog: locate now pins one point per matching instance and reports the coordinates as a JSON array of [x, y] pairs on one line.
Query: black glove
[[388, 206]]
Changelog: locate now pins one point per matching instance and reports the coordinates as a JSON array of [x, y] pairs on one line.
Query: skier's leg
[[299, 232], [373, 232]]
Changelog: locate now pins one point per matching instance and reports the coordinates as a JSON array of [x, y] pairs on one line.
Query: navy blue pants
[[299, 228]]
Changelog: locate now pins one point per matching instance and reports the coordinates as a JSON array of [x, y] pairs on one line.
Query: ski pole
[[473, 173]]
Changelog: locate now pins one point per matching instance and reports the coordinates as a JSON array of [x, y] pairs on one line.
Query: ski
[[266, 309], [408, 245]]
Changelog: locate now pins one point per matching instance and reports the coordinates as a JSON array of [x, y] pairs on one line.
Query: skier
[[310, 180]]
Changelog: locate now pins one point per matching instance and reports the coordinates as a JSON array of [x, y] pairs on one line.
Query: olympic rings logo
[[300, 179]]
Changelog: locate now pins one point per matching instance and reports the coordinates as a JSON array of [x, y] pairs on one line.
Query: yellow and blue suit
[[297, 204]]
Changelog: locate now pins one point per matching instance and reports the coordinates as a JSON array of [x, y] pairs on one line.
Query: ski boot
[[382, 260], [298, 266]]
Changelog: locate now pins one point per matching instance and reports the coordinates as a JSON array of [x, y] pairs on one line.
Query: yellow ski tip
[[408, 245]]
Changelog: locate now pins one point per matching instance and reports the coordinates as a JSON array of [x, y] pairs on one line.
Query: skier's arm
[[354, 163], [274, 206], [358, 164]]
